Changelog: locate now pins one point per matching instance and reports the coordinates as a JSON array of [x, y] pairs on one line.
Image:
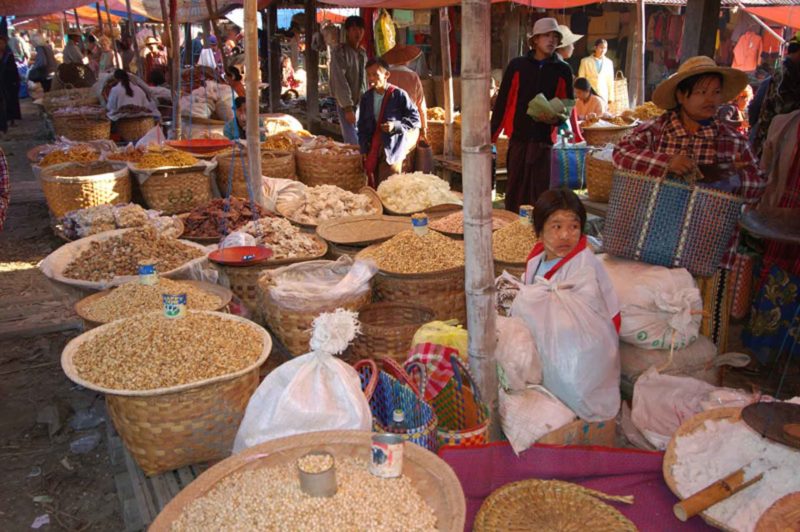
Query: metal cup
[[322, 484]]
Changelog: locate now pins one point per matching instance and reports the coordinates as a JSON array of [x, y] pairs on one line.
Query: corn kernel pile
[[315, 463], [513, 243], [408, 252]]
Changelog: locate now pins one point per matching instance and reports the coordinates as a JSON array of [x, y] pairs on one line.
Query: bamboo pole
[[477, 182], [132, 29], [175, 53], [99, 18], [255, 183], [447, 80], [638, 62], [274, 59], [312, 68], [188, 46], [165, 19], [111, 35]]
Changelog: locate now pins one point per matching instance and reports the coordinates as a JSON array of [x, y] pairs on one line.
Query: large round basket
[[68, 98], [234, 162], [599, 177], [436, 136], [550, 505], [600, 136], [375, 204], [689, 426], [81, 306], [387, 330], [82, 128], [168, 428], [68, 193], [430, 475], [782, 515], [343, 170], [132, 129], [175, 190]]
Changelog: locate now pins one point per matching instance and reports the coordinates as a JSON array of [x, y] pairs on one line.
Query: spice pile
[[285, 141], [646, 111], [454, 223], [407, 193], [270, 499], [81, 153], [284, 239], [326, 146], [408, 252], [154, 351], [328, 202], [513, 243], [160, 157], [120, 255], [207, 221], [135, 298], [130, 155]]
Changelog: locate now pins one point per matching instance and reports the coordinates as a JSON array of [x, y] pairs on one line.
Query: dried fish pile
[[284, 239], [207, 221]]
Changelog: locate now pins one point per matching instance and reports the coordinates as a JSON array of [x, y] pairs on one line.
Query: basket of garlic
[[322, 161], [176, 388], [172, 181], [329, 202], [233, 166], [406, 194]]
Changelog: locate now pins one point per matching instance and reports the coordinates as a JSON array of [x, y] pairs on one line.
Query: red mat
[[482, 470]]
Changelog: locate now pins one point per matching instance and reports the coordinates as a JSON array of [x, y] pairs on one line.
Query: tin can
[[174, 305], [419, 222], [386, 456], [147, 272]]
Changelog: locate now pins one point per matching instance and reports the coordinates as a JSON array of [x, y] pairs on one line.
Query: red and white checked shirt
[[649, 148]]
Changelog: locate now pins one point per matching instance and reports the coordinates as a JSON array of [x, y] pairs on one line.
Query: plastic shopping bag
[[527, 415], [385, 36], [447, 333], [518, 363], [312, 392]]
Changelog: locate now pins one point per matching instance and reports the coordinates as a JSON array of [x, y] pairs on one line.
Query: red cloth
[[376, 145], [481, 470]]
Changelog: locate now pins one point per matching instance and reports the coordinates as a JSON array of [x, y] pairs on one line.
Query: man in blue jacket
[[388, 124]]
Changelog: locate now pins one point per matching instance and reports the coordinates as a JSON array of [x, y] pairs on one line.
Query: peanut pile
[[454, 223], [315, 463], [153, 351], [408, 252], [513, 242]]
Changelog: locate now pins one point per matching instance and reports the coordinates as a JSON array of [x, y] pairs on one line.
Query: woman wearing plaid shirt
[[689, 141]]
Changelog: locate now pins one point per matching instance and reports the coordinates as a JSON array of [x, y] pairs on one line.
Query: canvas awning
[[783, 15]]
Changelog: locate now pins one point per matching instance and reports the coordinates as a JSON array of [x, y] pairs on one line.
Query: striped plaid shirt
[[649, 148]]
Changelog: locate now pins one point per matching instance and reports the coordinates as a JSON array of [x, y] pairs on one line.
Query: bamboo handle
[[711, 495]]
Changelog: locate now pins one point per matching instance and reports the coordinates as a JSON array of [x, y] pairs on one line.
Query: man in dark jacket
[[388, 124], [530, 141]]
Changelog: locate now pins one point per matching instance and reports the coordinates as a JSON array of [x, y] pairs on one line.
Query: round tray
[[437, 211], [433, 478], [201, 146], [365, 191], [362, 230], [235, 256], [503, 214]]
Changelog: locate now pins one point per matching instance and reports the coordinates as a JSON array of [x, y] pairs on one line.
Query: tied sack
[[518, 362], [528, 414], [577, 342], [312, 392]]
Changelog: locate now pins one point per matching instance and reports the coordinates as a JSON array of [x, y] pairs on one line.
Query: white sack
[[154, 136], [527, 415], [518, 362]]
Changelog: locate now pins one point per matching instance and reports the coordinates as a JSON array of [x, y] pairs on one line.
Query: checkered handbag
[[669, 222], [568, 166]]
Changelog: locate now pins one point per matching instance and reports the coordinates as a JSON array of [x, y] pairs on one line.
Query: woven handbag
[[568, 166], [621, 100], [669, 222]]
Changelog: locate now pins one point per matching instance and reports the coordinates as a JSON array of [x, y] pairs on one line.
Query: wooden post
[[77, 20], [312, 68], [253, 175], [274, 59], [700, 28], [447, 80], [639, 82], [476, 64], [111, 35], [135, 41], [99, 18], [188, 52], [175, 63], [264, 54]]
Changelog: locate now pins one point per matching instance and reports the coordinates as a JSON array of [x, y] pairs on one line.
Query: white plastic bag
[[527, 415], [154, 136], [663, 306], [238, 239], [518, 362], [312, 392], [577, 342], [207, 58], [278, 190]]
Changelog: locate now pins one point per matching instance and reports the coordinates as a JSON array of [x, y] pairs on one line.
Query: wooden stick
[[255, 182], [447, 80], [175, 48], [99, 18], [711, 495], [111, 35], [132, 30]]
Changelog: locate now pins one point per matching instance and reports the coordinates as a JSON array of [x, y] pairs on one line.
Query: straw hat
[[733, 80], [150, 40], [567, 37], [545, 25], [401, 54]]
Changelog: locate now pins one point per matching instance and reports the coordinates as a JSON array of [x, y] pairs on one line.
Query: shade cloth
[[784, 15], [482, 470]]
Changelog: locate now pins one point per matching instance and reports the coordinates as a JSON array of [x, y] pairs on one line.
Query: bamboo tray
[[500, 214], [440, 210], [375, 202], [362, 230]]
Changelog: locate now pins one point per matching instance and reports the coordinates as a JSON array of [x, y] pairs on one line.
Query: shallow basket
[[344, 171], [66, 193], [599, 177], [600, 136], [168, 428], [82, 128], [176, 190], [132, 129], [278, 164], [550, 505], [387, 330]]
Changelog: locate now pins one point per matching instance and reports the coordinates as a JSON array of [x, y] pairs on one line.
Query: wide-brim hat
[[545, 25], [150, 40], [733, 80], [567, 37], [402, 54]]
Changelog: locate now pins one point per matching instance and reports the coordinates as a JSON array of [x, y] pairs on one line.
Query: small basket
[[600, 136], [599, 177], [65, 194], [132, 129], [344, 171], [273, 164], [82, 128], [387, 330], [176, 190], [436, 136]]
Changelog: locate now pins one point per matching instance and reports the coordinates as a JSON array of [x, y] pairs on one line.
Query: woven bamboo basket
[[338, 250], [517, 269], [457, 139], [600, 136], [599, 177], [436, 136], [176, 190], [168, 428], [132, 129], [550, 505], [782, 515], [81, 306], [68, 98], [83, 128], [65, 194], [690, 426], [344, 171], [387, 330], [273, 164]]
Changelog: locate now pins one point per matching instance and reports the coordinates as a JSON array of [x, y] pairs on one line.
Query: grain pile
[[284, 239], [135, 298], [81, 153], [161, 157], [513, 243], [120, 255], [270, 499], [153, 351], [408, 252], [328, 202], [315, 463], [207, 221], [415, 192], [454, 223]]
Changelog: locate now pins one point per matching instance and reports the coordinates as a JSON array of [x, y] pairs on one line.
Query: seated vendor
[[128, 99], [237, 128], [588, 104]]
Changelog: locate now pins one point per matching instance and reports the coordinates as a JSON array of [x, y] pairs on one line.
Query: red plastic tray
[[240, 255], [200, 145]]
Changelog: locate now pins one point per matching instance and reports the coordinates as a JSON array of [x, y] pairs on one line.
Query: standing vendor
[[689, 141], [347, 77], [530, 141]]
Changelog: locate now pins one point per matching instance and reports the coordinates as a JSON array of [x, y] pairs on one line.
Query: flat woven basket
[[65, 194], [550, 505], [436, 136], [176, 190], [783, 515], [168, 428], [337, 250], [132, 129], [599, 178], [273, 164], [387, 330], [600, 136], [344, 171]]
